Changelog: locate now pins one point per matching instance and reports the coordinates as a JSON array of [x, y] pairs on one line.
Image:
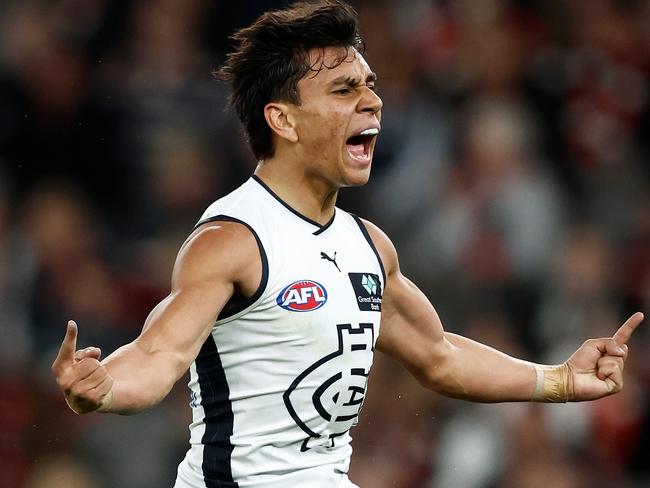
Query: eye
[[343, 91], [372, 86]]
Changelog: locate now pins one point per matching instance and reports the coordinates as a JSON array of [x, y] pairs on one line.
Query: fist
[[85, 383], [596, 368]]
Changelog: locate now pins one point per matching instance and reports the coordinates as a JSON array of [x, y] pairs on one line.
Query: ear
[[281, 121]]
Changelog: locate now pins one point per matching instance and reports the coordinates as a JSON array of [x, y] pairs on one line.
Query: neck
[[311, 196]]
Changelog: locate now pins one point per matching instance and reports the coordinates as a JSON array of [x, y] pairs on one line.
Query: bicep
[[209, 266], [179, 325], [411, 331]]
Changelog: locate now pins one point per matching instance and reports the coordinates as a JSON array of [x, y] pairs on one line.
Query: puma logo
[[332, 260]]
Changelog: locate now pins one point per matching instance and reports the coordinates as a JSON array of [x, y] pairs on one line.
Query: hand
[[85, 383], [596, 368]]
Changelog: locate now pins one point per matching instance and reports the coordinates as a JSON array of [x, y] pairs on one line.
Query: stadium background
[[512, 173]]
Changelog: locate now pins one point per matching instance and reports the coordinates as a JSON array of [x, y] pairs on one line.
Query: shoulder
[[384, 245], [216, 250]]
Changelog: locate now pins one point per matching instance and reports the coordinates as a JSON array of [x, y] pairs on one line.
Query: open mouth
[[358, 146]]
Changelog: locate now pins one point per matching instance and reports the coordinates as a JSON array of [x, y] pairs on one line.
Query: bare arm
[[216, 260], [459, 367], [455, 366]]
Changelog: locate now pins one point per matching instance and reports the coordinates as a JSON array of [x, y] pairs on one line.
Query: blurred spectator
[[499, 211], [62, 472], [16, 276], [579, 300]]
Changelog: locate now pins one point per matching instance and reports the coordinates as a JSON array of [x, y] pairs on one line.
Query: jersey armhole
[[365, 233], [234, 307]]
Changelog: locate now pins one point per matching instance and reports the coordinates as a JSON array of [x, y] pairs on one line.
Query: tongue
[[356, 150]]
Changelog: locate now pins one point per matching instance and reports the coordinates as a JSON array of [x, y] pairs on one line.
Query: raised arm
[[217, 260], [459, 367]]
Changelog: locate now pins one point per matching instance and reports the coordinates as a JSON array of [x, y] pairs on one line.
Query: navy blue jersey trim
[[365, 233], [218, 418], [234, 306], [321, 228]]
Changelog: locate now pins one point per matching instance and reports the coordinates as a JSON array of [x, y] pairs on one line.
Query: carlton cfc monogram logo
[[302, 296], [342, 375]]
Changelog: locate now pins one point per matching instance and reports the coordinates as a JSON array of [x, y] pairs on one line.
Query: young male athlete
[[279, 299]]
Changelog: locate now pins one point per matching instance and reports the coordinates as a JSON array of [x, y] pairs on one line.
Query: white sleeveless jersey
[[282, 377]]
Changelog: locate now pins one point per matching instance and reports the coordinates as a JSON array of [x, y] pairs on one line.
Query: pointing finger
[[69, 344], [624, 333]]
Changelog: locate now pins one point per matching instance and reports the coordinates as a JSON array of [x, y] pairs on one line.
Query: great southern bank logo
[[367, 289], [369, 283], [302, 296]]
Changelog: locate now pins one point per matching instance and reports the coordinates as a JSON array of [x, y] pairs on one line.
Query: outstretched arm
[[216, 260], [459, 367]]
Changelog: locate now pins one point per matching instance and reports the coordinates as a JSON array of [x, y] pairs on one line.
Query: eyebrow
[[349, 80]]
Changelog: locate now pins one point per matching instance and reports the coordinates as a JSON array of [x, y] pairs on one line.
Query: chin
[[357, 178], [355, 173]]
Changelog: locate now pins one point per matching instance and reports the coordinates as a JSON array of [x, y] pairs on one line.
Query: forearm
[[474, 371], [412, 333], [141, 376]]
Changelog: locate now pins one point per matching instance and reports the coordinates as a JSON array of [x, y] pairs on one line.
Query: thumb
[[69, 344], [89, 352]]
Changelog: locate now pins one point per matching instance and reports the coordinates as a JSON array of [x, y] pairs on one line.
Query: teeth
[[369, 132]]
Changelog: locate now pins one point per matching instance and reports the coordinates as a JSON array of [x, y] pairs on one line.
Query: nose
[[370, 101]]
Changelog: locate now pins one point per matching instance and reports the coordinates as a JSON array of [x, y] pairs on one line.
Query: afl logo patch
[[302, 296]]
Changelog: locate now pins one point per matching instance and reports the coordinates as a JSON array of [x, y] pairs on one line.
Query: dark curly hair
[[272, 55]]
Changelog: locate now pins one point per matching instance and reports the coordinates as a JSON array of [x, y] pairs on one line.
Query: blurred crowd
[[512, 173]]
